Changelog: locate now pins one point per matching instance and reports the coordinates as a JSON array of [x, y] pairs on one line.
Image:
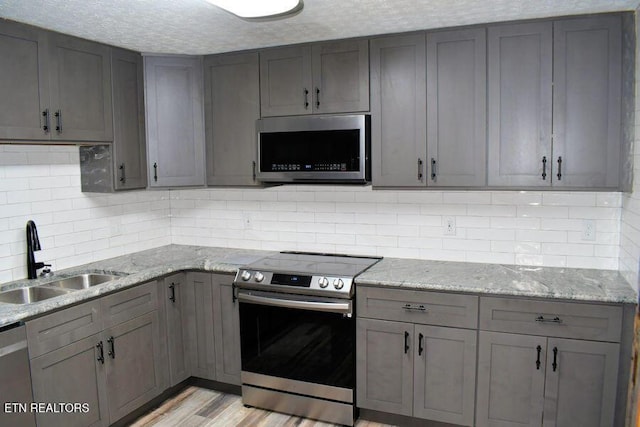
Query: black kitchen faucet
[[33, 244]]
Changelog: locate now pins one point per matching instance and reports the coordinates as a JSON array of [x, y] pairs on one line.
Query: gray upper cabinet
[[55, 87], [340, 76], [174, 121], [232, 106], [586, 104], [130, 159], [24, 82], [285, 81], [520, 98], [398, 111], [80, 90], [456, 108], [323, 78]]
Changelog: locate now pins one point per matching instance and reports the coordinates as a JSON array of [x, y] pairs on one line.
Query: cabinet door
[[445, 374], [456, 108], [520, 90], [227, 330], [586, 102], [384, 357], [72, 374], [200, 321], [175, 126], [232, 106], [398, 110], [130, 158], [80, 90], [510, 381], [285, 76], [133, 361], [175, 303], [341, 76], [24, 82], [580, 388]]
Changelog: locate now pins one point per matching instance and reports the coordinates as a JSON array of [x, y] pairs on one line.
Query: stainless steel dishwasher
[[15, 379]]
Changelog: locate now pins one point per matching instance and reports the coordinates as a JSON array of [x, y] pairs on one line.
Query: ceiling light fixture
[[260, 9]]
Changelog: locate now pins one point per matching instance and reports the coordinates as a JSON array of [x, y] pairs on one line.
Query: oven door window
[[297, 344]]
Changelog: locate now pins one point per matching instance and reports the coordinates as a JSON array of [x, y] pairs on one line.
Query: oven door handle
[[331, 307]]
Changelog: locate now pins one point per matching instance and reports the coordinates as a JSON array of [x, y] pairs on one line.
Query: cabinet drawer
[[64, 327], [553, 319], [429, 308], [126, 305]]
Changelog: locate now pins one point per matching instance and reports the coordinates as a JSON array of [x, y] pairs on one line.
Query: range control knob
[[259, 277], [338, 284], [245, 275], [323, 282]]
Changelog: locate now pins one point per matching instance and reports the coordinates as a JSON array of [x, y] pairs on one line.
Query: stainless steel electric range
[[297, 333]]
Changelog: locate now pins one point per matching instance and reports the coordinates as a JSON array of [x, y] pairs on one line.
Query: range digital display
[[291, 280]]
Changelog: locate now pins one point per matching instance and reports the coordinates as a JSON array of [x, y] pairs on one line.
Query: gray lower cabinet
[[226, 330], [173, 294], [526, 380], [414, 356], [114, 371], [456, 108], [398, 111], [55, 87], [213, 327], [174, 121], [330, 77], [129, 151], [519, 114], [232, 106], [15, 379], [416, 370], [587, 72], [200, 302], [540, 364]]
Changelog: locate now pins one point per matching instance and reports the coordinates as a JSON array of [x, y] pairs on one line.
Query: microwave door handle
[[331, 307]]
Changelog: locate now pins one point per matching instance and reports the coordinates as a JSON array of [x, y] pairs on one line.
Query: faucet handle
[[46, 271]]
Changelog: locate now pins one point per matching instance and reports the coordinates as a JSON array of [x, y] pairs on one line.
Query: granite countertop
[[136, 268], [544, 282], [494, 279]]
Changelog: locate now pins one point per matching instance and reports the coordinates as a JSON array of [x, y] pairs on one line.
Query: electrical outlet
[[449, 226], [589, 230]]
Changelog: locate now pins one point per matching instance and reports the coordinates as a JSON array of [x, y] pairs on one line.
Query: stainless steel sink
[[82, 281], [31, 294]]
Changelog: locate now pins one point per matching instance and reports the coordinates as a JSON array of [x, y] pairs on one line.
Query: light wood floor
[[196, 406]]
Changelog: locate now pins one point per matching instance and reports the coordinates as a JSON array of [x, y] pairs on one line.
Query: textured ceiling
[[197, 27]]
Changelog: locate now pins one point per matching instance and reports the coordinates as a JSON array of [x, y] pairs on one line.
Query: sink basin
[[82, 281], [29, 295]]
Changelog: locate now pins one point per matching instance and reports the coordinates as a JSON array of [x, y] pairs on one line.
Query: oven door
[[301, 344]]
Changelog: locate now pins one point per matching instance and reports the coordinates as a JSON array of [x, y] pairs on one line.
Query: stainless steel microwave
[[315, 149]]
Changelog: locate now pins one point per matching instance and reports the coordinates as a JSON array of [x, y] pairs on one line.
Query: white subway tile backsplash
[[569, 199]]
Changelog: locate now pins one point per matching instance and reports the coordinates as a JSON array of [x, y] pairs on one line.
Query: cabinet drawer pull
[[172, 298], [155, 172], [414, 308], [559, 175], [419, 169], [254, 170], [100, 348], [58, 115], [544, 168], [420, 348], [433, 169], [112, 352], [45, 114], [317, 97], [406, 342], [123, 178], [555, 358], [539, 349], [541, 319], [305, 92]]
